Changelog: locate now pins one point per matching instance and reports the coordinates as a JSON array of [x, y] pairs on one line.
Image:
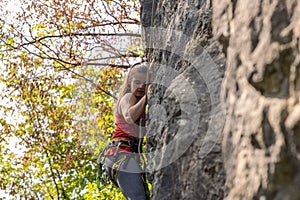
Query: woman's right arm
[[131, 108]]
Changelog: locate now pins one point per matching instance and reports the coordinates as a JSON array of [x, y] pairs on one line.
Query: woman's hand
[[148, 91]]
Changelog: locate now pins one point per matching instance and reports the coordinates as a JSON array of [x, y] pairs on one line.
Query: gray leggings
[[128, 177]]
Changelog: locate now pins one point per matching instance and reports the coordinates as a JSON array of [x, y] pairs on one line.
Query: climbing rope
[[152, 13]]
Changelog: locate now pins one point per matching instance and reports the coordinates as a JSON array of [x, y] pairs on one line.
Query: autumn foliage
[[54, 120]]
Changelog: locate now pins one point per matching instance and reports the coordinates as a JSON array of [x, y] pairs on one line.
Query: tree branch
[[109, 65], [75, 73], [112, 57], [53, 175], [49, 160], [109, 13], [81, 35], [111, 24]]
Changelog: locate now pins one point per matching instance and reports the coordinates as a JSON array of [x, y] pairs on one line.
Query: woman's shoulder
[[128, 97], [129, 94]]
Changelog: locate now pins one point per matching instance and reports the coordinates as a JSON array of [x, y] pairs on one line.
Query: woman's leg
[[128, 176], [130, 180]]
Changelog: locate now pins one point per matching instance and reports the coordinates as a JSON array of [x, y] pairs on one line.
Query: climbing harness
[[101, 175], [110, 173]]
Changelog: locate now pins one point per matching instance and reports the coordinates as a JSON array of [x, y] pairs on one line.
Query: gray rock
[[261, 136], [186, 116]]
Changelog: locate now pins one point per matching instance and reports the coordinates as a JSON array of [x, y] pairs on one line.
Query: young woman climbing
[[122, 160]]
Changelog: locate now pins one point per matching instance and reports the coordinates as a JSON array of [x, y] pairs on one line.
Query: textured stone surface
[[261, 136], [184, 133]]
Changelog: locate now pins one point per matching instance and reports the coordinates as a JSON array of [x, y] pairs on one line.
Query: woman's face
[[138, 84]]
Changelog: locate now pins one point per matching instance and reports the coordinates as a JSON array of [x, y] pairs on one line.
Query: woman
[[122, 160]]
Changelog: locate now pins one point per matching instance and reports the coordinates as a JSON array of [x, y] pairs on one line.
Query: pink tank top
[[124, 131]]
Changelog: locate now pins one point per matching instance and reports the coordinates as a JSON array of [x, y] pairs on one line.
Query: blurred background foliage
[[54, 121]]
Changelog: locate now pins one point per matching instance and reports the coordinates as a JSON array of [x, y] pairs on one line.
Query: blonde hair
[[137, 68]]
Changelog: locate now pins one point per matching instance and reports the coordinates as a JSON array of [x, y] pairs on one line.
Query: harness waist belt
[[133, 144]]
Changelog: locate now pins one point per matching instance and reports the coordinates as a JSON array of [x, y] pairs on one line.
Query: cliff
[[225, 98], [185, 112], [261, 136]]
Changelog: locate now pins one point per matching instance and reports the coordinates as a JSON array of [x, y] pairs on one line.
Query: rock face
[[261, 135], [261, 141], [185, 112]]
